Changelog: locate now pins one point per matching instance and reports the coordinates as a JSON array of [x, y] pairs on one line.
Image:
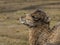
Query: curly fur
[[42, 34]]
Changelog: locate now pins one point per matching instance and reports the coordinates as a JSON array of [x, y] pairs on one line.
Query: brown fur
[[38, 35], [42, 34]]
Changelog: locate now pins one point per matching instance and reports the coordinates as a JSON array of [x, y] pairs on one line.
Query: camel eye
[[33, 16]]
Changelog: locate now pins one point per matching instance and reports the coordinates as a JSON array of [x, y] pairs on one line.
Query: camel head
[[34, 19]]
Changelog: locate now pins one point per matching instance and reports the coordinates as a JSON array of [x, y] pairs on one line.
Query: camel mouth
[[24, 22]]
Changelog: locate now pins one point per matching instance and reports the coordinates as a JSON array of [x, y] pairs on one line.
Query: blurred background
[[14, 33]]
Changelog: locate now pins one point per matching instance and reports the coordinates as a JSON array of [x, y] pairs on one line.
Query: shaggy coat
[[40, 32]]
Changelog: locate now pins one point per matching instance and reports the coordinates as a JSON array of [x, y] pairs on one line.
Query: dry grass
[[14, 33]]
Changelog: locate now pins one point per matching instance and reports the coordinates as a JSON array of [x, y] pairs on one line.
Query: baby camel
[[40, 32]]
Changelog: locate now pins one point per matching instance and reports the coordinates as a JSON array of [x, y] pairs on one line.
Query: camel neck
[[38, 35]]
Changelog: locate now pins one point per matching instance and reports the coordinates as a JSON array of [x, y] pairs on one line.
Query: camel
[[40, 32]]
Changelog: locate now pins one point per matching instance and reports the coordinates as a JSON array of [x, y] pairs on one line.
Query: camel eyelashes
[[33, 16]]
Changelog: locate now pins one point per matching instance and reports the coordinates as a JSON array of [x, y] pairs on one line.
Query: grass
[[14, 33]]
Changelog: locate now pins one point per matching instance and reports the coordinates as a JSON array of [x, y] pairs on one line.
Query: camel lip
[[22, 21]]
